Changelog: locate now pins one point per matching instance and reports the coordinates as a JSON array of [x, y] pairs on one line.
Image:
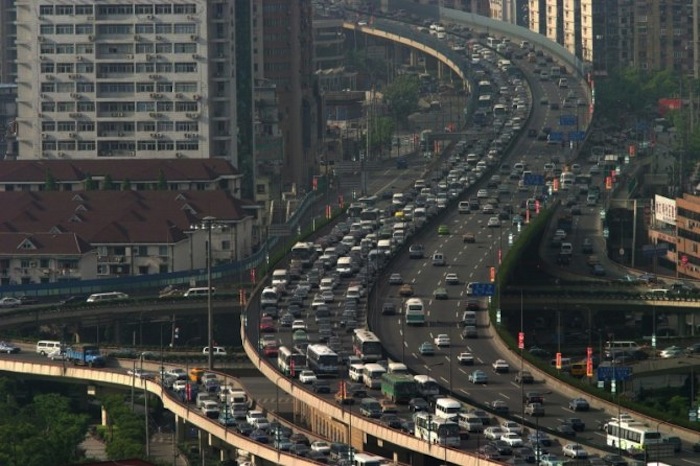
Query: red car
[[267, 325], [270, 351]]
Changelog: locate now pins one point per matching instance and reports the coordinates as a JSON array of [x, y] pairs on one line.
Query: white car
[[298, 325], [512, 427], [327, 296], [561, 234], [493, 433], [321, 447], [466, 359], [512, 439], [257, 419], [57, 355], [574, 450], [482, 194], [177, 373], [9, 302], [307, 376], [500, 366], [452, 279], [180, 385], [442, 340], [494, 222]]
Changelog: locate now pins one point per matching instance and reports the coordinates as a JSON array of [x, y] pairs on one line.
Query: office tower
[[115, 79], [8, 51]]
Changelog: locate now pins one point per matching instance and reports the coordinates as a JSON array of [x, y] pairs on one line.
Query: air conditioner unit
[[159, 38], [74, 76], [50, 77], [40, 115], [193, 37], [91, 38], [195, 56], [61, 154], [137, 38], [154, 135], [153, 95], [72, 135], [179, 95], [196, 97], [79, 58], [159, 135], [115, 114], [32, 265], [120, 133], [149, 57], [187, 135], [152, 115], [41, 57], [121, 115], [44, 136], [74, 95], [150, 17], [43, 96]]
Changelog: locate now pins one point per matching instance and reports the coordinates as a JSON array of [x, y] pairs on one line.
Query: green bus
[[400, 388]]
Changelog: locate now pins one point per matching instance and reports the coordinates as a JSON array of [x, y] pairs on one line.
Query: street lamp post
[[145, 407]]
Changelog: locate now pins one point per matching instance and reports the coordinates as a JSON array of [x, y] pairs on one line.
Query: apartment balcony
[[111, 259]]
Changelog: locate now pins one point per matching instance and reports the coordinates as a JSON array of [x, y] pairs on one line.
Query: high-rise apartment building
[[114, 79], [572, 26], [8, 50], [283, 57]]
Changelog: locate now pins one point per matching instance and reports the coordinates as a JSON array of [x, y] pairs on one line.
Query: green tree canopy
[[402, 97], [108, 183]]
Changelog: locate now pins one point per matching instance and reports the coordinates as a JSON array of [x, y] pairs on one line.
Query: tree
[[126, 184], [90, 184], [108, 183], [381, 131], [162, 181], [50, 183], [402, 97]]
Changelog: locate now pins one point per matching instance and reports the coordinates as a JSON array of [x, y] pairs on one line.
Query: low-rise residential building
[[47, 236]]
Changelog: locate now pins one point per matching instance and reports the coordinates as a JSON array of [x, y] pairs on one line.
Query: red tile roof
[[42, 244], [142, 170], [125, 217]]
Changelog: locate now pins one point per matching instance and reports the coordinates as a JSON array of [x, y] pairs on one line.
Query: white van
[[469, 318], [398, 199], [280, 277], [385, 246], [109, 296], [372, 375], [198, 292], [355, 372], [345, 266], [46, 347], [470, 422], [438, 259], [397, 368]]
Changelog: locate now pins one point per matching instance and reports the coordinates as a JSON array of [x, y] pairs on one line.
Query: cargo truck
[[85, 355]]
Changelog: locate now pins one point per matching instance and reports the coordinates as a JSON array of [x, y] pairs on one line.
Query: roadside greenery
[[44, 430]]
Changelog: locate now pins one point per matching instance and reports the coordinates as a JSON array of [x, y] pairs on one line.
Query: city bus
[[426, 385], [355, 209], [289, 360], [366, 459], [399, 388], [368, 201], [628, 434], [304, 252], [322, 360], [366, 345], [414, 312], [436, 429]]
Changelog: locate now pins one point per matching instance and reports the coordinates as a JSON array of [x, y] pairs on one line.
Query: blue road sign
[[483, 289], [619, 373], [567, 120], [533, 179], [577, 135], [555, 136]]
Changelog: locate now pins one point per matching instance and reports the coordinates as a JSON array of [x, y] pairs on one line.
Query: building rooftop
[[175, 170], [127, 217]]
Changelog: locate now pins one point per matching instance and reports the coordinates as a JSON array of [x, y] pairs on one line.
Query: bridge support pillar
[[413, 58], [117, 331], [440, 70], [103, 415], [180, 429]]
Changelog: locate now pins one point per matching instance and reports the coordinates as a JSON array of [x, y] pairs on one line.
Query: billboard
[[666, 105], [665, 209]]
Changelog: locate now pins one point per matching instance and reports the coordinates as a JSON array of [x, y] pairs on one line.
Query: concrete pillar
[[117, 331], [104, 417], [413, 58], [180, 427], [440, 70]]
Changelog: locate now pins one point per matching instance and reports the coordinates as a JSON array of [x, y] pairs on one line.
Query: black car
[[418, 404], [502, 447], [72, 301], [391, 420], [693, 349], [244, 428], [614, 460], [577, 424], [321, 386], [566, 429]]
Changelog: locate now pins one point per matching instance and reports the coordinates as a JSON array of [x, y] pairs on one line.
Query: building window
[[185, 9], [164, 47], [164, 28], [85, 68], [48, 145], [186, 106], [164, 126], [84, 29], [86, 106], [186, 87], [65, 87], [84, 48], [185, 28], [186, 126], [164, 106], [108, 29], [86, 145], [48, 87], [65, 107], [65, 49], [164, 87], [86, 126], [83, 10], [185, 48], [145, 28], [45, 10], [66, 126], [145, 67], [164, 146], [145, 106], [164, 67], [48, 126], [187, 145], [46, 49], [108, 10], [64, 29], [148, 126], [142, 251], [66, 145], [143, 9], [147, 145], [190, 67], [166, 9], [46, 29], [48, 106], [84, 86], [64, 10], [144, 87]]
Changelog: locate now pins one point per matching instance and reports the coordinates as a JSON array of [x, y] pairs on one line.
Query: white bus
[[427, 386], [366, 459], [372, 375], [289, 360], [619, 346], [304, 252], [630, 434], [397, 368], [566, 180], [499, 110], [484, 101], [322, 360], [414, 313], [366, 345], [448, 408], [436, 429]]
